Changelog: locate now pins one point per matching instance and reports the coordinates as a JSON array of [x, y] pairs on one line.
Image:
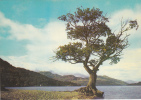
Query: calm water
[[110, 92]]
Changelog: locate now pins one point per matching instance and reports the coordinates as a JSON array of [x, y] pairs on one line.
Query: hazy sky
[[30, 32]]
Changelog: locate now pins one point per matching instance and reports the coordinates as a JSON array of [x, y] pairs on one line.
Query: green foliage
[[97, 42], [133, 24], [94, 24], [72, 49], [114, 60]]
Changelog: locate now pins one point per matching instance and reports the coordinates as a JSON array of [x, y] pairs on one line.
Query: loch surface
[[110, 92]]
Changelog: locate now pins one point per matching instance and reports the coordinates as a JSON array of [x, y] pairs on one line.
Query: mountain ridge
[[135, 84], [13, 76], [101, 80]]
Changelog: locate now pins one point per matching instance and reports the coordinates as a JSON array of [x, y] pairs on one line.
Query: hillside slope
[[101, 80], [134, 84], [12, 76]]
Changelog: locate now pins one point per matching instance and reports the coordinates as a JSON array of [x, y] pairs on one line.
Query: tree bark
[[91, 86], [91, 89], [92, 81]]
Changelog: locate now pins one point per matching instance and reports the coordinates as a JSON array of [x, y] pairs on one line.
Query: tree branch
[[87, 68]]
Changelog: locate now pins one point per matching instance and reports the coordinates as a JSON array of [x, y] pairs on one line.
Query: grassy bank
[[13, 94]]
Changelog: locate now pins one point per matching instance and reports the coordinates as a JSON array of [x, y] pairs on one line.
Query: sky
[[30, 33]]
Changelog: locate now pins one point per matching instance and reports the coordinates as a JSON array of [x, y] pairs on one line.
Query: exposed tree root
[[90, 92]]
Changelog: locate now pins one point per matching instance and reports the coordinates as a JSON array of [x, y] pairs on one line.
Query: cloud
[[51, 31], [129, 66], [40, 48], [44, 40], [35, 64], [17, 30], [126, 14], [42, 43], [127, 69]]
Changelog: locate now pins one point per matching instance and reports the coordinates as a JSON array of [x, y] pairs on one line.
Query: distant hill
[[12, 76], [130, 82], [139, 83], [101, 80]]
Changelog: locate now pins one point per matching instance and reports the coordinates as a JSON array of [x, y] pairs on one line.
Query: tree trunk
[[91, 89], [91, 86], [92, 81]]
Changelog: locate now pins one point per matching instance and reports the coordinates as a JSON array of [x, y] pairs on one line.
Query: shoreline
[[12, 94]]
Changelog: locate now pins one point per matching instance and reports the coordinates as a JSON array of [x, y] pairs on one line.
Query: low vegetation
[[13, 94]]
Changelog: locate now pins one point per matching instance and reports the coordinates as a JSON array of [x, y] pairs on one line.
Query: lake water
[[110, 92]]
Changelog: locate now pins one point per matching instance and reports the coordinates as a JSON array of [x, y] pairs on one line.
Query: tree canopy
[[96, 42]]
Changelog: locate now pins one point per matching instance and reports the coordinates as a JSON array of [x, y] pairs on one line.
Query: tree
[[97, 43]]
